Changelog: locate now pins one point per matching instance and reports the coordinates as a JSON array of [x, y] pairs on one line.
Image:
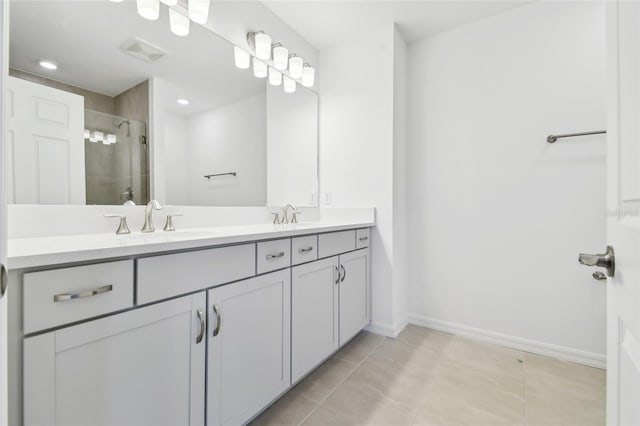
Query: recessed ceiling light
[[183, 101], [48, 65]]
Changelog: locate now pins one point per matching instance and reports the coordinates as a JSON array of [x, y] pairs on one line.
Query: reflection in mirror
[[133, 112]]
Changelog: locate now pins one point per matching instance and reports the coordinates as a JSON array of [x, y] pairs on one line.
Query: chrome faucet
[[285, 212], [148, 219]]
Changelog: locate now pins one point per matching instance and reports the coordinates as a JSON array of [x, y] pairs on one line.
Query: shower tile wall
[[134, 104]]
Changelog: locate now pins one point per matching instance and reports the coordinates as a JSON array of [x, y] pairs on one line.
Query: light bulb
[[98, 135], [295, 66], [149, 9], [242, 58], [87, 134], [179, 23], [289, 84], [280, 57], [169, 3], [111, 138], [263, 45], [259, 68], [92, 139], [308, 75], [275, 77], [199, 11]]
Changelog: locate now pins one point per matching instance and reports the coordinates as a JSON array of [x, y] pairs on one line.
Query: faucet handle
[[168, 226], [294, 219], [276, 218], [123, 228]]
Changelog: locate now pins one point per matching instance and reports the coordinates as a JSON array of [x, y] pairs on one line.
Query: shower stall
[[116, 159]]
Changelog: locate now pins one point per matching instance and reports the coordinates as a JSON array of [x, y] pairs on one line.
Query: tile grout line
[[341, 381]]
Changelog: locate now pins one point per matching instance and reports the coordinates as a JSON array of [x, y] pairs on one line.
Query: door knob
[[604, 260]]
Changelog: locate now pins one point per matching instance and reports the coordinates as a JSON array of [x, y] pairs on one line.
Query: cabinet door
[[354, 293], [249, 356], [142, 367], [314, 314]]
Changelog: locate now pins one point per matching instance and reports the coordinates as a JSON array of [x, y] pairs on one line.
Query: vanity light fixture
[[289, 84], [199, 11], [260, 42], [275, 77], [308, 75], [242, 58], [110, 139], [87, 134], [47, 65], [183, 101], [148, 9], [259, 68], [98, 136], [280, 57], [179, 23], [295, 66]]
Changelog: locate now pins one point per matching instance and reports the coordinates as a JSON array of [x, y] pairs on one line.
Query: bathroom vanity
[[210, 332]]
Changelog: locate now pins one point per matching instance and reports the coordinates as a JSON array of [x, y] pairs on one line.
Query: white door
[[249, 347], [141, 367], [46, 139], [353, 293], [623, 204], [314, 314]]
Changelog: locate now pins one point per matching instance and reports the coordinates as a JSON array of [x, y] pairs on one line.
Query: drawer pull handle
[[338, 273], [216, 311], [305, 250], [82, 294], [201, 318], [363, 238], [344, 273], [275, 256]]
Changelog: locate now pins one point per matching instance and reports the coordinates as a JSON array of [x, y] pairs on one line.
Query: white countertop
[[37, 252]]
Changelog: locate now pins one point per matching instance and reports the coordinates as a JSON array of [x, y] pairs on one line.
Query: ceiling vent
[[142, 50]]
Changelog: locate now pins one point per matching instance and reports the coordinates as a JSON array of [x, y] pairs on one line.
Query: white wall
[[176, 156], [292, 147], [400, 264], [217, 141], [496, 215], [357, 149]]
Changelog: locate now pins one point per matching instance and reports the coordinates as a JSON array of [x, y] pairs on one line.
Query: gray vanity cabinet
[[141, 367], [249, 347]]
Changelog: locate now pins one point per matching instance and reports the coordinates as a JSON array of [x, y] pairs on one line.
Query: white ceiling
[[84, 39], [328, 22]]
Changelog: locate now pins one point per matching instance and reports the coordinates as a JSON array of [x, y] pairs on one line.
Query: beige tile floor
[[429, 378]]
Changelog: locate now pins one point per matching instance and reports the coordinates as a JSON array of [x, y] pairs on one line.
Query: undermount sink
[[161, 236]]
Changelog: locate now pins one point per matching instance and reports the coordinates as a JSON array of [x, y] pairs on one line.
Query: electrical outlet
[[313, 198], [328, 198]]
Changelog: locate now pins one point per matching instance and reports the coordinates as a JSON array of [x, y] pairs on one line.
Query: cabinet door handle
[[275, 256], [305, 250], [338, 273], [216, 311], [344, 273], [363, 238], [201, 318], [82, 294]]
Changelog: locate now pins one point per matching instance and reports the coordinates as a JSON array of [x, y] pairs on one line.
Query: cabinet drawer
[[336, 242], [304, 249], [363, 236], [60, 296], [274, 255], [161, 277]]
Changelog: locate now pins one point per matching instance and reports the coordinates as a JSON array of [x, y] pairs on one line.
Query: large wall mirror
[[133, 112]]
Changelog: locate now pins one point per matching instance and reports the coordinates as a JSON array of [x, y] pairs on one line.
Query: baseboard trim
[[387, 330], [590, 359]]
